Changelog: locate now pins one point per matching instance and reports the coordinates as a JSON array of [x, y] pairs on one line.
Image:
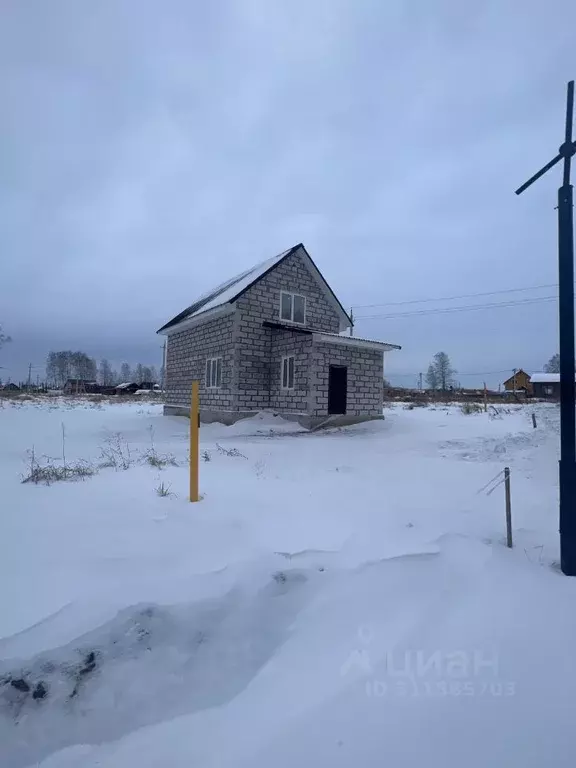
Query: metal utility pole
[[420, 381], [352, 319], [566, 316], [29, 376]]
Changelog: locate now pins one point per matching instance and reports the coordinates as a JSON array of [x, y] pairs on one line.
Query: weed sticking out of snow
[[163, 490], [159, 461], [230, 452], [155, 459], [116, 453], [49, 471]]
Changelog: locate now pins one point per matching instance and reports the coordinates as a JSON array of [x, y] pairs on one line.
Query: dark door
[[337, 389]]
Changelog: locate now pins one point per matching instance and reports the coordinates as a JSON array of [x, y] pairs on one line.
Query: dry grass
[[48, 471]]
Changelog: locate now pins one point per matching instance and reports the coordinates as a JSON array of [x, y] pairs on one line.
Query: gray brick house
[[272, 339]]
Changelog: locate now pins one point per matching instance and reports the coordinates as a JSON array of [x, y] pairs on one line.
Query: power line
[[454, 298], [458, 373], [449, 310]]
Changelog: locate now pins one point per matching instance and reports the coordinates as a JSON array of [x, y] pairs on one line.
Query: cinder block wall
[[257, 364], [186, 354], [286, 343], [365, 374]]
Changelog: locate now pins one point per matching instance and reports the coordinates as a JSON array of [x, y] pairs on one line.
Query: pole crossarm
[[560, 156], [566, 151]]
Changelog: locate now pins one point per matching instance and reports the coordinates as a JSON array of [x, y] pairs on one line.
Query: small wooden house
[[546, 385], [520, 381]]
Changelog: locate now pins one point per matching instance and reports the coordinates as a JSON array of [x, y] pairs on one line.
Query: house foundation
[[227, 418]]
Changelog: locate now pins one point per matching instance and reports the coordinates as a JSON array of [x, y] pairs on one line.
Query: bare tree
[[64, 365], [4, 339], [443, 373], [125, 372], [105, 372], [153, 374], [553, 365], [139, 373], [431, 377]]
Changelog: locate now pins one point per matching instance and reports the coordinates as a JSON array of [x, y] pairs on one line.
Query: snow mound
[[149, 664]]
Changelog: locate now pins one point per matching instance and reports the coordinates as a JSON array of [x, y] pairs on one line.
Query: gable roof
[[232, 289], [515, 375]]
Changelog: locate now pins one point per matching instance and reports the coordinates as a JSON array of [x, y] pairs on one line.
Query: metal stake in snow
[[566, 316], [194, 440]]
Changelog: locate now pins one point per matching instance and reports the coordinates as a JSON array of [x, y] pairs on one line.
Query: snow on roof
[[125, 385], [228, 290], [544, 378]]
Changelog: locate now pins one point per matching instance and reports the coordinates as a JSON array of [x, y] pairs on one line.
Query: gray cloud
[[148, 152]]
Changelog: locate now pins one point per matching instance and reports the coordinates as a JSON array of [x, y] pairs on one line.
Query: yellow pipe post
[[194, 441]]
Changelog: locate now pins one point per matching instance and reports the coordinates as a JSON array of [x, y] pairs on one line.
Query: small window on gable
[[214, 372], [288, 372], [292, 307]]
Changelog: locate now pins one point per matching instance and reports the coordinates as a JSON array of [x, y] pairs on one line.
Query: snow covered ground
[[337, 598]]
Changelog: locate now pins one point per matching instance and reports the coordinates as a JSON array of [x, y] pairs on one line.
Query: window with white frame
[[292, 307], [214, 372], [288, 372]]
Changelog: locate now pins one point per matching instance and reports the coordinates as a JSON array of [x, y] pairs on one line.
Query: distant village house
[[520, 381]]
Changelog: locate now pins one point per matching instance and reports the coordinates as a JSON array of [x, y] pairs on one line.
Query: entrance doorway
[[337, 389]]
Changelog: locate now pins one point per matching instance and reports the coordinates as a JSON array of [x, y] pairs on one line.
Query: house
[[79, 386], [546, 385], [271, 339], [520, 381], [127, 388], [133, 388]]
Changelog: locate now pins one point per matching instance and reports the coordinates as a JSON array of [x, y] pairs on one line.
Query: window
[[214, 372], [292, 307], [288, 372], [548, 390]]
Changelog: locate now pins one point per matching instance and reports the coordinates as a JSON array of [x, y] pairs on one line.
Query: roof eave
[[201, 317], [351, 341]]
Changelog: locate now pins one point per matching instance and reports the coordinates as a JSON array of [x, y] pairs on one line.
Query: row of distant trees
[[65, 364]]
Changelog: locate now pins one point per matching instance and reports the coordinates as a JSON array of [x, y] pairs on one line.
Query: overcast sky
[[150, 150]]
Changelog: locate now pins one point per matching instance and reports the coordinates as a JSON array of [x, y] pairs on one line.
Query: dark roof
[[232, 289]]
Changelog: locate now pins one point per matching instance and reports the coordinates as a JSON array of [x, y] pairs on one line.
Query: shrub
[[469, 408]]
